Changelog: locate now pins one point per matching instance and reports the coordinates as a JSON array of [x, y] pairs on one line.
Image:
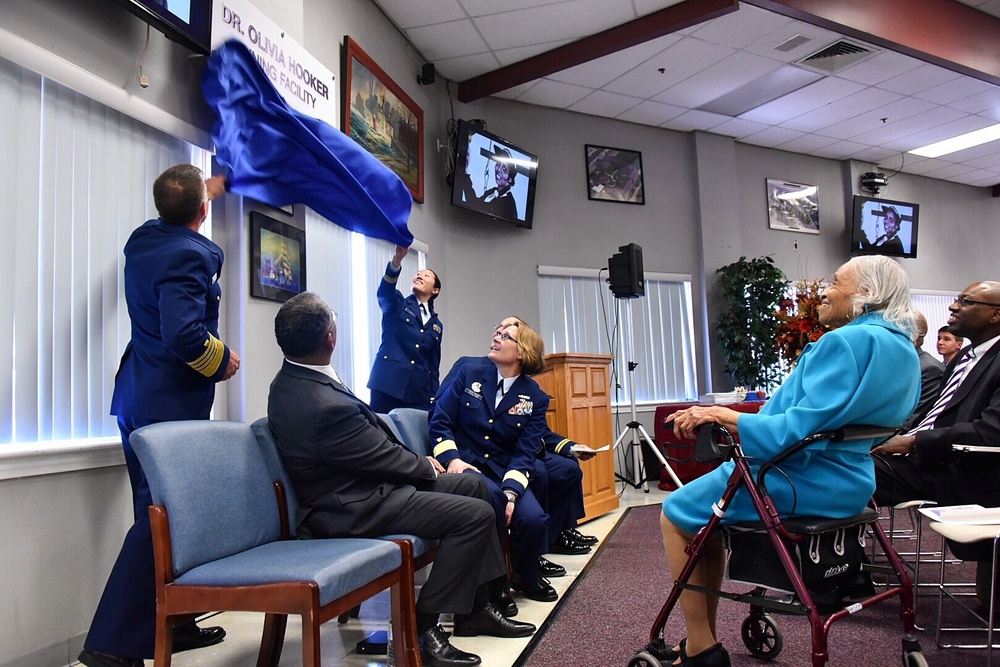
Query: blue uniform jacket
[[865, 372], [501, 441], [171, 364], [409, 356]]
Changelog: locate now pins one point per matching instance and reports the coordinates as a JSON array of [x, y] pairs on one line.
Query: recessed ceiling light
[[959, 143]]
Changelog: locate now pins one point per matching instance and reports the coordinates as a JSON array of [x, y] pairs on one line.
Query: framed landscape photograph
[[277, 258], [383, 119], [614, 174], [792, 207]]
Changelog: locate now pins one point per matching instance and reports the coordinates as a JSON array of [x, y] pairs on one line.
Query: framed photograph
[[614, 174], [383, 119], [277, 258], [792, 207]]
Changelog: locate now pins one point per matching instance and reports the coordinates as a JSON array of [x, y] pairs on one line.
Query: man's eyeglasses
[[965, 301]]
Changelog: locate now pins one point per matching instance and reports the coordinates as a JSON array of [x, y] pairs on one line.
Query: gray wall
[[705, 207]]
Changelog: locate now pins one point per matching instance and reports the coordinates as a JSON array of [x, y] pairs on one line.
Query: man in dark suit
[[168, 372], [353, 478], [931, 371], [967, 411]]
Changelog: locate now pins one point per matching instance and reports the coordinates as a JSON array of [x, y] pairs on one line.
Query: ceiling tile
[[945, 131], [874, 154], [447, 40], [741, 28], [517, 91], [842, 110], [516, 55], [886, 135], [712, 82], [565, 20], [918, 79], [651, 113], [954, 90], [927, 165], [485, 7], [871, 122], [695, 120], [818, 39], [679, 61], [466, 67], [554, 94], [988, 100], [772, 136], [840, 150], [603, 103], [982, 178], [984, 162], [803, 100], [736, 127], [409, 14], [976, 153], [644, 7], [807, 143], [949, 171], [879, 68], [601, 71]]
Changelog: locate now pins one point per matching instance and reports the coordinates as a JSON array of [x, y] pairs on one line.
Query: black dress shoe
[[504, 603], [190, 636], [565, 544], [541, 592], [95, 659], [716, 656], [550, 569], [579, 537], [489, 621], [437, 651]]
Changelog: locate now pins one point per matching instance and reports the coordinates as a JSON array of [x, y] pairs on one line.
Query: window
[[76, 179], [579, 314]]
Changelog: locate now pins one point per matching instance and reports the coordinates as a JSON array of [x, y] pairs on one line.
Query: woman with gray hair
[[863, 371]]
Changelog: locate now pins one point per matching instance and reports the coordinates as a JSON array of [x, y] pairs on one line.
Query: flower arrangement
[[799, 320]]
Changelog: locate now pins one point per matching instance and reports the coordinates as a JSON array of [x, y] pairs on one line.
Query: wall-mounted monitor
[[188, 22], [884, 227], [493, 176]]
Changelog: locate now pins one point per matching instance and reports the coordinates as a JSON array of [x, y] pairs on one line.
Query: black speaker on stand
[[625, 276]]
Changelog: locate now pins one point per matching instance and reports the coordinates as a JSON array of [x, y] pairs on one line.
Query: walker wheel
[[914, 659], [762, 638], [644, 659]]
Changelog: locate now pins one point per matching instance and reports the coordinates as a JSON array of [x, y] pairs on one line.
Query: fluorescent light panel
[[959, 143]]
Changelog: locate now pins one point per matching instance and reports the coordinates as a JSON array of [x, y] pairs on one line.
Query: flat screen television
[[188, 22], [493, 176], [884, 227]]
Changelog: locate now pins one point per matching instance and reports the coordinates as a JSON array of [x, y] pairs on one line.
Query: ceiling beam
[[942, 32], [642, 29]]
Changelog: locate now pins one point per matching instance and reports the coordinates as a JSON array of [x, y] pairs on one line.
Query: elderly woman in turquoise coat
[[864, 371]]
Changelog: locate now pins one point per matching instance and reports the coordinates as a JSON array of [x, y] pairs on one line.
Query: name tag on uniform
[[475, 390], [524, 406]]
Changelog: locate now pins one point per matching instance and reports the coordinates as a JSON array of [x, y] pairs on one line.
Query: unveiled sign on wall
[[305, 83]]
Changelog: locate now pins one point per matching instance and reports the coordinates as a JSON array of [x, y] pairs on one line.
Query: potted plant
[[747, 330]]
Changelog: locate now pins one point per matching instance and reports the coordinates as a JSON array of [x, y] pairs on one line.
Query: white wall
[[705, 207]]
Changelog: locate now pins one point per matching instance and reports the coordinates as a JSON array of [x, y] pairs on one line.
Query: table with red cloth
[[679, 452]]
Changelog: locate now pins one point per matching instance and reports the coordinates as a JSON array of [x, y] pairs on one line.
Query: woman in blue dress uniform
[[405, 372], [864, 372], [491, 419]]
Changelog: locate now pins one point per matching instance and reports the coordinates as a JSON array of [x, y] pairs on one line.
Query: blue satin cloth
[[280, 156]]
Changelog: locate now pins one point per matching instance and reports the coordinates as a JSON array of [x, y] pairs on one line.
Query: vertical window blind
[[77, 179], [579, 314]]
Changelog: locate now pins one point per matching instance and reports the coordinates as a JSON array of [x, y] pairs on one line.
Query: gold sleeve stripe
[[391, 279], [517, 476], [563, 443], [210, 360], [446, 446]]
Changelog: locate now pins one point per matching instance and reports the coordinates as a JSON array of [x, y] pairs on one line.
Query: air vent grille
[[837, 56]]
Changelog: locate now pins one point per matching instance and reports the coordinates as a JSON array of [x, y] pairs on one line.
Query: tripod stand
[[634, 428]]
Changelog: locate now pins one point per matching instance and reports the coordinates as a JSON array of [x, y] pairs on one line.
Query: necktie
[[500, 392], [946, 394], [424, 314]]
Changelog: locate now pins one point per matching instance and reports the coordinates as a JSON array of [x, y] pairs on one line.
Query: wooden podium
[[580, 409]]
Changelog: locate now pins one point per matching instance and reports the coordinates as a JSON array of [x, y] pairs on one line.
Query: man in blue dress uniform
[[405, 372], [168, 372]]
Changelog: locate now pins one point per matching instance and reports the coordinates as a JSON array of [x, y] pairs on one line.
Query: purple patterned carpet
[[607, 615]]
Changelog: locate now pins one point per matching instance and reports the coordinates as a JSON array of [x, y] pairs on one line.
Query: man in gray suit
[[353, 478]]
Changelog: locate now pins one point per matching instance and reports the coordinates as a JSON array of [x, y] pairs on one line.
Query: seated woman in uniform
[[491, 420], [865, 371]]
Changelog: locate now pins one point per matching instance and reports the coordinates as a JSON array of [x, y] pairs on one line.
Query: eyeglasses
[[504, 336], [964, 301]]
